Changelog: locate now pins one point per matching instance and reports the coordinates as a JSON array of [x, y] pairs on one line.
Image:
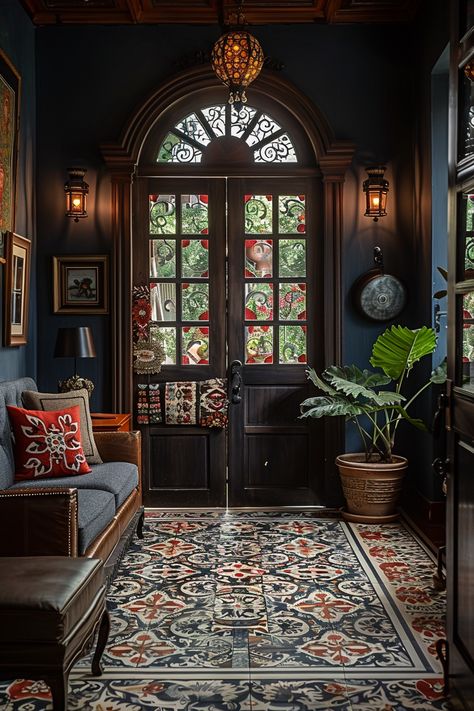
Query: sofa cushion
[[47, 444], [10, 394], [118, 478], [57, 401], [95, 510]]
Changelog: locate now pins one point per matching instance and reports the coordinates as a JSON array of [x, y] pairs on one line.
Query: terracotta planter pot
[[371, 489]]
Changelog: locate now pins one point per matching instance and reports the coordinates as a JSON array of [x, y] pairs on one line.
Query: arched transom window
[[192, 135]]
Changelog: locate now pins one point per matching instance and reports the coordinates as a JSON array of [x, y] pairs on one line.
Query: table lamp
[[75, 343]]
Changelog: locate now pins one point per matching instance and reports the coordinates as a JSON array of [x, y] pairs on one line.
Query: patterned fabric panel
[[180, 403], [213, 403], [202, 403]]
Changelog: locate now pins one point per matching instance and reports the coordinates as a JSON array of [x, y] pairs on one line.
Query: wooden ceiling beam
[[199, 12]]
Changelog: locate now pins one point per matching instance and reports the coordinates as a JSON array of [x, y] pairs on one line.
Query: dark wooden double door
[[234, 269]]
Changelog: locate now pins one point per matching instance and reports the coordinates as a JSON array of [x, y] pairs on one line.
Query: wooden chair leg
[[140, 524], [58, 686], [102, 638]]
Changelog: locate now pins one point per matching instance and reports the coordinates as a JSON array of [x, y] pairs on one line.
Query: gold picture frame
[[81, 284], [17, 289], [10, 91]]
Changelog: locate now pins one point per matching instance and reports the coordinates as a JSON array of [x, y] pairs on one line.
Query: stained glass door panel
[[274, 316], [181, 258]]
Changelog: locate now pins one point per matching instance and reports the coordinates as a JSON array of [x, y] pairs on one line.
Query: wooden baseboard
[[427, 517]]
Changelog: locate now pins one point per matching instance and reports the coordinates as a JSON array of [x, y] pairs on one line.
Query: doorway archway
[[179, 135]]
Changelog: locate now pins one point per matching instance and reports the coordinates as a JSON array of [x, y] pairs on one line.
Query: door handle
[[439, 416], [235, 382]]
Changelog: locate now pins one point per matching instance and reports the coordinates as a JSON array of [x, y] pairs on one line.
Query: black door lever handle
[[235, 380]]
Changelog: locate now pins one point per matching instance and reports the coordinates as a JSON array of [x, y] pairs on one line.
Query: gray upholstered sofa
[[87, 515]]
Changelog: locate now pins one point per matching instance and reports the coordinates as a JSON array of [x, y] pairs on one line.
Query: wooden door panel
[[185, 466], [275, 315], [271, 462], [272, 405], [179, 251], [460, 386], [465, 551]]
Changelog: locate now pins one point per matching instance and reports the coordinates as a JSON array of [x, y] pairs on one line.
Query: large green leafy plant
[[373, 400]]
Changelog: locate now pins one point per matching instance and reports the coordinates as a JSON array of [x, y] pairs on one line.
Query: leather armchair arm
[[38, 521], [121, 447]]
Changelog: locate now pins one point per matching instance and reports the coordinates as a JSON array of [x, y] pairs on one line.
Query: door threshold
[[231, 509]]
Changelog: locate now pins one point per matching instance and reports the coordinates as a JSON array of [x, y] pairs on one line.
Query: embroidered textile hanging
[[200, 403]]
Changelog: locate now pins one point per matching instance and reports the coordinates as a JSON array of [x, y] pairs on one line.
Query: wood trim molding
[[212, 12], [121, 326]]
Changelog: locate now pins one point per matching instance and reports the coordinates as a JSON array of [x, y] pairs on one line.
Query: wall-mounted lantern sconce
[[375, 188], [76, 190]]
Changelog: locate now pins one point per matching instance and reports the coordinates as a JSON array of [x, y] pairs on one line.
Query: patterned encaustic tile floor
[[260, 612]]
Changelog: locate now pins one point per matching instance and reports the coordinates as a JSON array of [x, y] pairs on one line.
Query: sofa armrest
[[121, 447], [39, 521]]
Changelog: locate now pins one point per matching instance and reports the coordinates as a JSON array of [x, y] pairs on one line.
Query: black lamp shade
[[74, 343]]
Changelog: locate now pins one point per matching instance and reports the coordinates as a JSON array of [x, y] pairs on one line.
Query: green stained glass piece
[[195, 258], [258, 214], [195, 345], [258, 345], [165, 154], [469, 258], [291, 214], [194, 214], [163, 301], [163, 258], [195, 302], [292, 302], [162, 214], [258, 302], [292, 345], [258, 258], [166, 336], [292, 253], [469, 212], [177, 150]]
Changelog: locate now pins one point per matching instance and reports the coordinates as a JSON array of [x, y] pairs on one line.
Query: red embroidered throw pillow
[[47, 444]]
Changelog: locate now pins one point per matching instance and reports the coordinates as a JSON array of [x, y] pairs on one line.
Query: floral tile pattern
[[264, 611]]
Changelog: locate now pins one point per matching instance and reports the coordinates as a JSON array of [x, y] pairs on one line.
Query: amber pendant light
[[237, 59]]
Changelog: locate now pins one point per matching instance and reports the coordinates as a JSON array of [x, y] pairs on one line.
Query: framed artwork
[[10, 84], [81, 284], [17, 289]]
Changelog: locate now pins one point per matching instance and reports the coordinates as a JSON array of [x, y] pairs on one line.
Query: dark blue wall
[[347, 71], [17, 40], [356, 74]]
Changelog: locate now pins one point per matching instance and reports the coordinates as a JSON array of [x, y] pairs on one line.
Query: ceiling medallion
[[237, 59]]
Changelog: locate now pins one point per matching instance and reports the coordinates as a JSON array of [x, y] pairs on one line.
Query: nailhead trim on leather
[[72, 504]]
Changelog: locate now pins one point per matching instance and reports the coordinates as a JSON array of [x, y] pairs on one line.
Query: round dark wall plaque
[[379, 296]]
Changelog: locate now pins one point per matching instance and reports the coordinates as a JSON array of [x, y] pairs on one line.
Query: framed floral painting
[[10, 84], [81, 284]]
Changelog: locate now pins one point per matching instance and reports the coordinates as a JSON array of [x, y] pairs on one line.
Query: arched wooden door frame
[[122, 157]]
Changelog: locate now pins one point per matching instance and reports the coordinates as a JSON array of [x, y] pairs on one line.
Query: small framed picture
[[81, 284], [17, 289]]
